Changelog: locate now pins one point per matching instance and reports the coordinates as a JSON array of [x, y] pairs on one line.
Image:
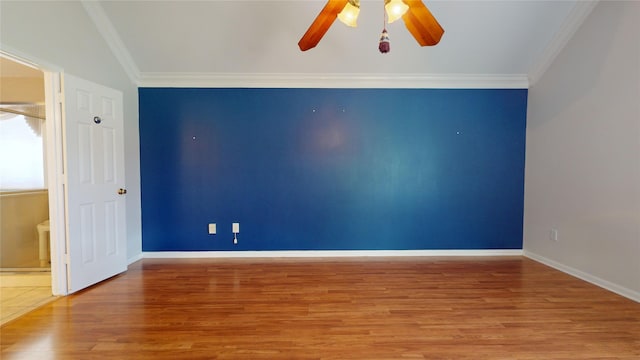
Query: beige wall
[[20, 212], [21, 90], [20, 83], [583, 153]]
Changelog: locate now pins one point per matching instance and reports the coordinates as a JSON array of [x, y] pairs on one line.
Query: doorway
[[85, 178], [84, 141], [25, 260]]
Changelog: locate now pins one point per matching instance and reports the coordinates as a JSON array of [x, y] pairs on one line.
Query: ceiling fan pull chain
[[384, 46]]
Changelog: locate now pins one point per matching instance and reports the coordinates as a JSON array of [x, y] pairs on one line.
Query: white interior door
[[95, 195]]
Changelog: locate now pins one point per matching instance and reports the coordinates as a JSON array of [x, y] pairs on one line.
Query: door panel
[[87, 232], [95, 171], [109, 143]]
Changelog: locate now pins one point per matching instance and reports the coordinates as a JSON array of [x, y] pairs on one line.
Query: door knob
[[122, 191]]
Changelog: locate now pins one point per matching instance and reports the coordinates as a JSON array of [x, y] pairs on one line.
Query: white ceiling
[[173, 41]]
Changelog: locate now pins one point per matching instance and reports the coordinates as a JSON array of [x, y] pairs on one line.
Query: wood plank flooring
[[356, 308]]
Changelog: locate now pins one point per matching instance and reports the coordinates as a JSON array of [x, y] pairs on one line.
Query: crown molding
[[574, 20], [26, 59], [111, 37], [292, 80]]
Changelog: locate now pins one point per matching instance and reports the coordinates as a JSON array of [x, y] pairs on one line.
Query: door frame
[[56, 159], [55, 164]]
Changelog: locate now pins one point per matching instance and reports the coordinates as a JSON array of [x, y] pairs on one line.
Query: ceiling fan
[[417, 18]]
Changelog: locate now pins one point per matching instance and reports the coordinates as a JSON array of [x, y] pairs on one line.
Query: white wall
[[583, 153], [61, 34]]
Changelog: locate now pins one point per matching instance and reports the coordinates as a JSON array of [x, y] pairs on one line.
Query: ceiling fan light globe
[[395, 9], [349, 15]]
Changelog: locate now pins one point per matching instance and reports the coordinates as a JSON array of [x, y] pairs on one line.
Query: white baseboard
[[620, 290], [325, 253], [135, 258]]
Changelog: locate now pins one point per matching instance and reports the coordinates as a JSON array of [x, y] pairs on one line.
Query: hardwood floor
[[357, 308]]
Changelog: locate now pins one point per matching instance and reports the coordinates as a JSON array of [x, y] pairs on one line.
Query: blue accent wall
[[332, 169]]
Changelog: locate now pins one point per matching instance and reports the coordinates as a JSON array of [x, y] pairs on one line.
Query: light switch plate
[[212, 229]]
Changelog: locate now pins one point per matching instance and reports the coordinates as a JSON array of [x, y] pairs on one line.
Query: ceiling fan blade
[[321, 24], [422, 24]]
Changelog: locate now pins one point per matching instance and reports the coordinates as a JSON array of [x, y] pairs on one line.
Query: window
[[21, 152]]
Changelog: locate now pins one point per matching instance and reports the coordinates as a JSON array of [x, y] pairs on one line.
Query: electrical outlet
[[553, 235], [212, 228], [235, 228]]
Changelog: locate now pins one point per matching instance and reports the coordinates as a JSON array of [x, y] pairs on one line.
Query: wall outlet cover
[[235, 228], [212, 229]]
